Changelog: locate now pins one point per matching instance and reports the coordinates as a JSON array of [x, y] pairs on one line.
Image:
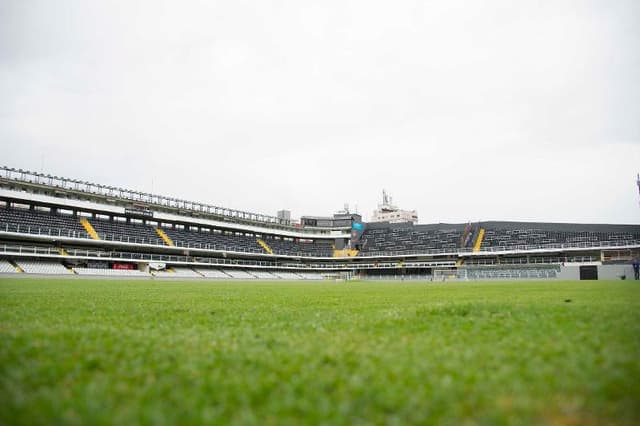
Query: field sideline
[[168, 352]]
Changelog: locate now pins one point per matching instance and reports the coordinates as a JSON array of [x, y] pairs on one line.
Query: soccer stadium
[[315, 303], [349, 212], [58, 226]]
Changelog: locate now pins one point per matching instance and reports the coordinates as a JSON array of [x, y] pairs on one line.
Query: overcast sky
[[463, 110]]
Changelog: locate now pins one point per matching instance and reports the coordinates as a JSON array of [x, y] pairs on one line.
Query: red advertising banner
[[123, 266]]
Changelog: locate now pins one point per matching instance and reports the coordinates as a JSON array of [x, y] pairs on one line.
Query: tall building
[[284, 216], [387, 212]]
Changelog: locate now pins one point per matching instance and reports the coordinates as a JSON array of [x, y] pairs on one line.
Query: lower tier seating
[[112, 272], [7, 268], [264, 275], [507, 273], [288, 275], [239, 273], [212, 273], [43, 267], [178, 273]]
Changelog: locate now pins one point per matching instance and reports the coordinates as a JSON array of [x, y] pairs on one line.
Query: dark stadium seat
[[405, 238], [37, 222], [128, 232], [519, 234]]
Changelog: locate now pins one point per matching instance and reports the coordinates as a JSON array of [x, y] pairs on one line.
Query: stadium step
[[476, 247], [345, 253], [265, 246], [89, 228], [168, 241]]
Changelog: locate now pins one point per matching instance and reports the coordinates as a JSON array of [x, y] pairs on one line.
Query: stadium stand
[[111, 272], [212, 273], [43, 267], [522, 234], [496, 273], [213, 239], [123, 231], [239, 273], [310, 276], [48, 222], [287, 275], [284, 246], [7, 268], [177, 272], [264, 275], [408, 238], [37, 222], [23, 220]]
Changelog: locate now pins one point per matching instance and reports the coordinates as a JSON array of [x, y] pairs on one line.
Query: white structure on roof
[[387, 212]]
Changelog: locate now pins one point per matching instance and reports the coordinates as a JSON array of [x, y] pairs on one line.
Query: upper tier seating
[[128, 232], [405, 238], [36, 222], [23, 220], [233, 241], [214, 240], [318, 248], [512, 234]]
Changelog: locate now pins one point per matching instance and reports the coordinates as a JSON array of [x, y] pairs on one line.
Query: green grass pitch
[[167, 352]]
